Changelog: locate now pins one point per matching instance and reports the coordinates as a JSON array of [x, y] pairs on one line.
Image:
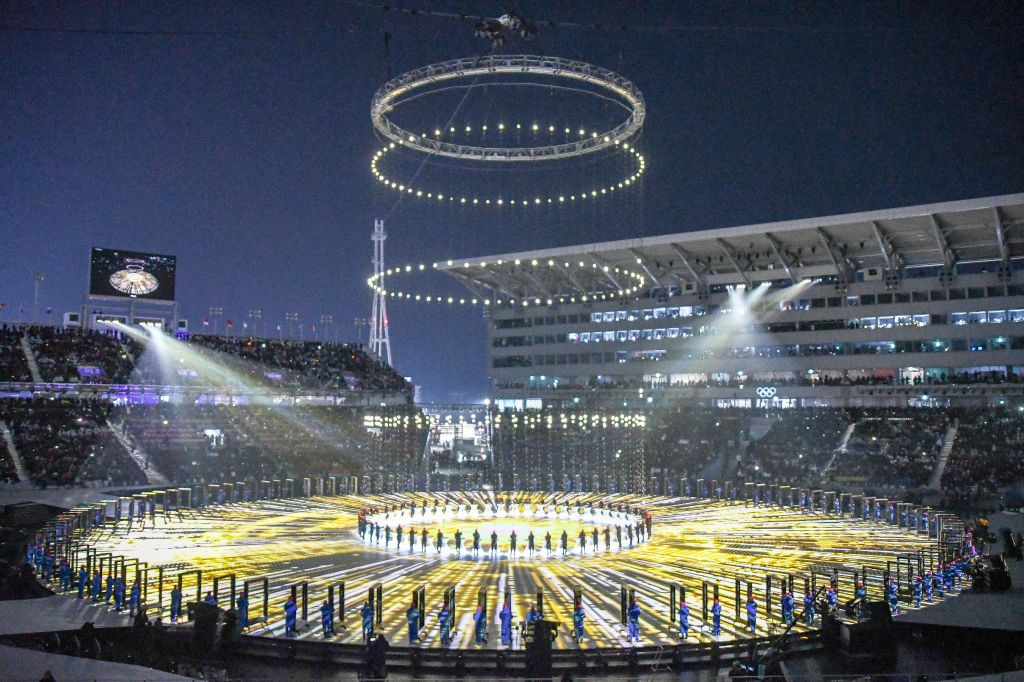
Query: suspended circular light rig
[[511, 200], [415, 83], [634, 283], [505, 143]]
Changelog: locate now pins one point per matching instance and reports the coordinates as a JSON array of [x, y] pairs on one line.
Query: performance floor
[[315, 540]]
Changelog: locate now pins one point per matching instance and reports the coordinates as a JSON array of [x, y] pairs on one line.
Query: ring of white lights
[[583, 194], [377, 283], [388, 97], [502, 519]]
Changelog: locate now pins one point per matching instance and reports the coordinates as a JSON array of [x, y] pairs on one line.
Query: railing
[[69, 536]]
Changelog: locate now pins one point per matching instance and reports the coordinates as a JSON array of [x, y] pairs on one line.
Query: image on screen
[[131, 274]]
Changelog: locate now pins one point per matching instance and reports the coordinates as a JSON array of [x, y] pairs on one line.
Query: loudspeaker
[[204, 629], [538, 649]]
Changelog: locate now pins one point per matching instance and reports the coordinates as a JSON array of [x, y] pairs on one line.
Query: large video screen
[[131, 274]]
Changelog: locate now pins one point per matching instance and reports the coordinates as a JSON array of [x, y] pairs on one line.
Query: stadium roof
[[945, 234]]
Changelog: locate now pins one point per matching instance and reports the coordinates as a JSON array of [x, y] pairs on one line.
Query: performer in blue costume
[[175, 604], [327, 618], [83, 579], [412, 616], [633, 621], [578, 620], [290, 610], [787, 608], [243, 610], [480, 624], [894, 597], [366, 613], [506, 624], [684, 619], [444, 621], [133, 599]]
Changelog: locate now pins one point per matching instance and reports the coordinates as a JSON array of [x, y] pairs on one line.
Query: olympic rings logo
[[766, 392]]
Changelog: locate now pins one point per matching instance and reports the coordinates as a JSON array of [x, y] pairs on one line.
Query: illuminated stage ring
[[376, 282], [387, 98], [557, 198], [502, 519]]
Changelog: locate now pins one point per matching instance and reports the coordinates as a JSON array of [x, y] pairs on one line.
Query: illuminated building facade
[[916, 305]]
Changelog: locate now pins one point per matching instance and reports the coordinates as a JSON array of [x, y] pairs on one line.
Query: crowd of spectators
[[67, 442], [13, 365], [8, 474], [332, 366], [684, 439], [209, 444], [73, 355], [797, 447], [88, 356], [988, 454], [64, 442], [895, 447]]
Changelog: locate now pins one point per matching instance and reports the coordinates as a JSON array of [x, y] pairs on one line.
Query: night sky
[[244, 150]]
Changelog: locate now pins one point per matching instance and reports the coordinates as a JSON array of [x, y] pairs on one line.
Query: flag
[[2, 306], [206, 322], [49, 311], [230, 324], [245, 325]]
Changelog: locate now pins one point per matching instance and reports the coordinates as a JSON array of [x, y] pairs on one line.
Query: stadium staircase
[[153, 477], [947, 448], [30, 358], [19, 465]]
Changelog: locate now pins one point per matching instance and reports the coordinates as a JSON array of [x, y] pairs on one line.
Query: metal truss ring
[[388, 97]]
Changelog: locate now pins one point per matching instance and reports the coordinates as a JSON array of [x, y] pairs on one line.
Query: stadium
[[788, 450]]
